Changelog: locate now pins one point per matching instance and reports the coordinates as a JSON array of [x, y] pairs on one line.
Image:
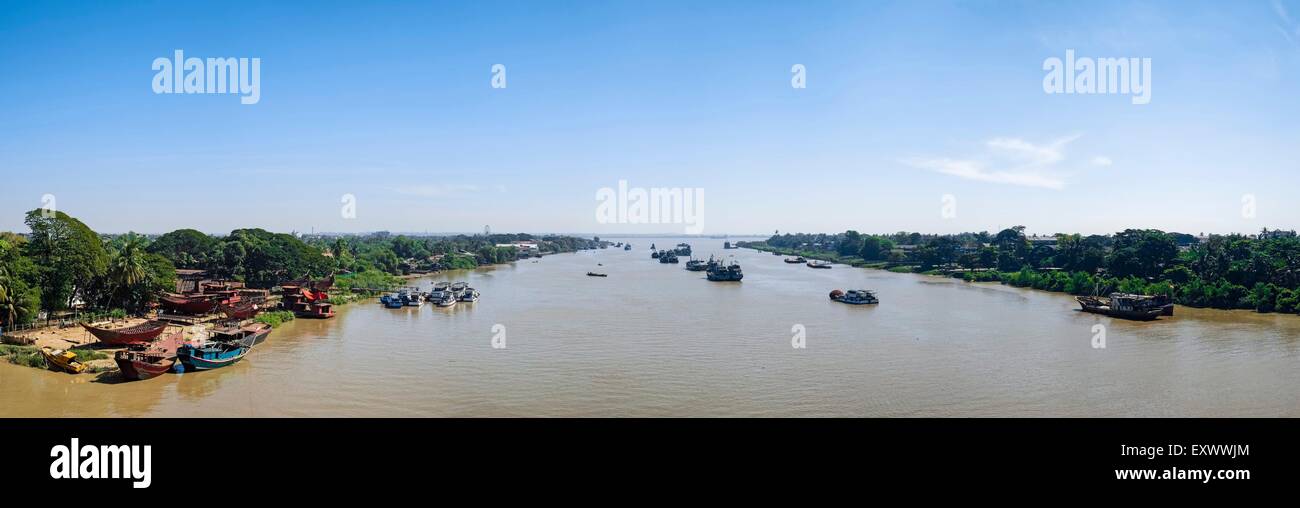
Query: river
[[653, 339]]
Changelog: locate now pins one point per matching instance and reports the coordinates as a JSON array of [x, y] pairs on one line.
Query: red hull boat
[[143, 332], [240, 311], [199, 304], [148, 361]]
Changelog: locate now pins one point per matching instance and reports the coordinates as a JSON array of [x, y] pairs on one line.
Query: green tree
[[70, 256]]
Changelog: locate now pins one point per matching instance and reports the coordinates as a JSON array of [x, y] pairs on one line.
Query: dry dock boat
[[247, 335], [143, 332], [146, 361], [1124, 306], [63, 360]]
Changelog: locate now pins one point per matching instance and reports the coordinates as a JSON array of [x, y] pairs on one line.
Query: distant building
[[522, 246]]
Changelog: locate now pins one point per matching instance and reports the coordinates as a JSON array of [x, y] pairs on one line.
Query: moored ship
[[725, 272], [854, 297], [146, 361], [1124, 306]]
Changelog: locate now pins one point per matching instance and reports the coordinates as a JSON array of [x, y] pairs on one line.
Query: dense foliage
[[1260, 272]]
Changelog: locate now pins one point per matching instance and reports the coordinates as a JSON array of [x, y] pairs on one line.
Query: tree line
[[63, 264], [1260, 272]]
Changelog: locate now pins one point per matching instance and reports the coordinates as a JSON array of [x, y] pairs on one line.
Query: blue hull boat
[[210, 356]]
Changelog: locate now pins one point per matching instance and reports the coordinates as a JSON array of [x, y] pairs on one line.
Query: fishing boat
[[594, 274], [819, 264], [797, 260], [59, 359], [459, 286], [413, 299], [696, 265], [210, 355], [247, 335], [469, 295], [1122, 305], [656, 254], [441, 286], [146, 361], [143, 332], [392, 300], [725, 273], [668, 257], [854, 297], [627, 247], [683, 249]]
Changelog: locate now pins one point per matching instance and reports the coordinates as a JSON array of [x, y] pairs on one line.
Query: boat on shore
[[64, 360], [819, 264], [792, 261], [143, 332], [1123, 306], [208, 356], [241, 310], [146, 361], [854, 297]]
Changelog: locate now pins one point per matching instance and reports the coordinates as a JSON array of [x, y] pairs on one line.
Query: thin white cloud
[[436, 190], [1102, 160], [1288, 27], [1011, 161]]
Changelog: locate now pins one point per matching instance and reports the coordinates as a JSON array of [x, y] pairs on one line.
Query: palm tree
[[127, 268], [8, 307]]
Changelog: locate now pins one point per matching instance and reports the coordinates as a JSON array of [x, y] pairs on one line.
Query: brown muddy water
[[656, 340]]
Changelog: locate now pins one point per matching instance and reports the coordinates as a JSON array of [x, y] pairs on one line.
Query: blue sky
[[905, 102]]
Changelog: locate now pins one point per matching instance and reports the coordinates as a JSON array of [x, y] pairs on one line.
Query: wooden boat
[[143, 332], [1122, 305], [317, 310], [59, 359], [594, 274], [854, 297], [819, 264], [190, 304], [242, 310], [248, 335], [146, 361], [211, 355]]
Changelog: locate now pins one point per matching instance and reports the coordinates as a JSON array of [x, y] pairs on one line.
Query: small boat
[[668, 257], [725, 273], [627, 247], [683, 249], [59, 359], [819, 264], [469, 295], [316, 310], [242, 310], [392, 301], [655, 254], [1123, 305], [413, 299], [443, 298], [696, 265], [797, 260], [211, 355], [143, 332], [854, 297], [248, 335], [594, 274], [441, 286], [459, 286], [146, 361]]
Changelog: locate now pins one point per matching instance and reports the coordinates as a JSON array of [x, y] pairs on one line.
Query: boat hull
[[139, 333], [141, 370], [187, 361]]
